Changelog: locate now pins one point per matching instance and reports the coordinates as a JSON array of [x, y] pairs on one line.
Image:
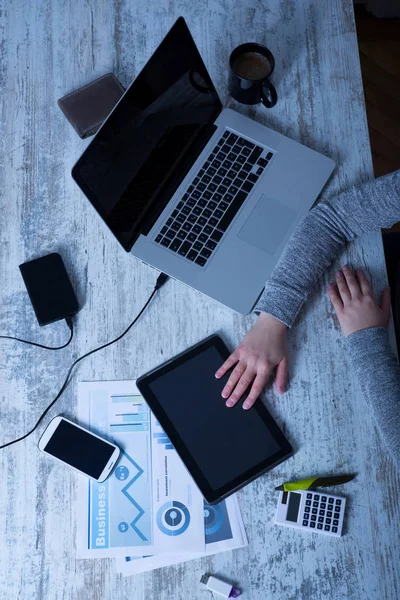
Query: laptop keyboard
[[213, 198]]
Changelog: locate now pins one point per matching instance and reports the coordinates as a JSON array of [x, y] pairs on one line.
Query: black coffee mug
[[250, 66]]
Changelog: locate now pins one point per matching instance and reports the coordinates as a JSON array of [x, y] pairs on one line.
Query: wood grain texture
[[47, 49]]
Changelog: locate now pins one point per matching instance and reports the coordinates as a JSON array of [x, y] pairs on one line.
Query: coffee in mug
[[250, 67]]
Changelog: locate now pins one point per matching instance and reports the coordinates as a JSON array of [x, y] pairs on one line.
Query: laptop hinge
[[184, 165]]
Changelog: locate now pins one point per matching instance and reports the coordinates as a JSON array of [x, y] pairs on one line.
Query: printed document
[[224, 531], [149, 505]]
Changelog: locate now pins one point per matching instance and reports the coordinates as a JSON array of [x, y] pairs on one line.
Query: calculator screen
[[293, 508]]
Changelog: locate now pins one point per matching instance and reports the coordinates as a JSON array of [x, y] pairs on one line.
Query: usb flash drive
[[220, 587]]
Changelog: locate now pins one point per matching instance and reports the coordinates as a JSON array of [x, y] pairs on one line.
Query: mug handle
[[268, 94]]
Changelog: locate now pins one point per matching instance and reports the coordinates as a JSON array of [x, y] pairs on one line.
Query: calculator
[[311, 511]]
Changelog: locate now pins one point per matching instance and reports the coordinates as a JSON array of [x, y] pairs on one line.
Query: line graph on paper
[[129, 426]]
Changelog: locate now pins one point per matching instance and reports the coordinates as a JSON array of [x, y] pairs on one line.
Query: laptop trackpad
[[267, 224]]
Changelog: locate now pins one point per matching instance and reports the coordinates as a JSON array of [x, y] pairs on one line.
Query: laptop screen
[[150, 140]]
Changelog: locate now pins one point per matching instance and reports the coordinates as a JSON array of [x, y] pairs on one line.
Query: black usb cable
[[162, 278], [68, 321]]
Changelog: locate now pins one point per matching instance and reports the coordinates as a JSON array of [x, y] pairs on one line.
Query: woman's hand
[[354, 303], [262, 349]]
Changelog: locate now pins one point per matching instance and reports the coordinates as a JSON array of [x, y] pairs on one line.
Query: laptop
[[204, 194]]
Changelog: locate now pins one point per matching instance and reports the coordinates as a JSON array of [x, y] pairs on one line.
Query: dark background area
[[379, 45]]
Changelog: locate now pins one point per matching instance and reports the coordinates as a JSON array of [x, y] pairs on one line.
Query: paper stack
[[149, 513]]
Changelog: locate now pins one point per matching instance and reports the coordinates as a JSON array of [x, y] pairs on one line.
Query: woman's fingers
[[253, 361], [256, 389], [342, 287], [352, 283], [232, 381], [244, 382], [335, 298], [365, 285], [281, 376], [228, 364]]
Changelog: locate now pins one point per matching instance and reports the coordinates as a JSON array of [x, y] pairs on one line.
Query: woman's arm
[[378, 375], [319, 237], [364, 324], [311, 249]]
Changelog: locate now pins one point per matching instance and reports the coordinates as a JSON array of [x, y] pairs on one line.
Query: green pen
[[313, 482]]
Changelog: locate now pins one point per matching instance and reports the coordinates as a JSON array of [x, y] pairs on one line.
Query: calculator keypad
[[325, 512]]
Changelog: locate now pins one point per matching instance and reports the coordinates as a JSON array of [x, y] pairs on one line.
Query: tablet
[[222, 448]]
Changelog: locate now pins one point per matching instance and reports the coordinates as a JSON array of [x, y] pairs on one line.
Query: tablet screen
[[222, 445]]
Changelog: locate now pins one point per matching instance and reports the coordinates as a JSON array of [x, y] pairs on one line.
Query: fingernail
[[246, 406], [229, 403], [216, 375], [225, 394], [338, 274]]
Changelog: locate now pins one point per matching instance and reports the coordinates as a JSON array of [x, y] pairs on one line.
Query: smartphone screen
[[79, 449]]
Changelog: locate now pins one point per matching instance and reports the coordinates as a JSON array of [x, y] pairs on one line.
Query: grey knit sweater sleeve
[[311, 249], [378, 375], [318, 238]]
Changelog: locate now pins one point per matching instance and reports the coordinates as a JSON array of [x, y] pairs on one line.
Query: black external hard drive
[[49, 288]]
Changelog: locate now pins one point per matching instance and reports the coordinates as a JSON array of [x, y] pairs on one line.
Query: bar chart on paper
[[160, 437], [128, 413]]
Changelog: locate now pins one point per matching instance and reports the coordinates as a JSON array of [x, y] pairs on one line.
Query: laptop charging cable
[[161, 280]]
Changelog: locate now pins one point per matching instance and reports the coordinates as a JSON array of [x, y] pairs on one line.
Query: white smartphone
[[79, 448]]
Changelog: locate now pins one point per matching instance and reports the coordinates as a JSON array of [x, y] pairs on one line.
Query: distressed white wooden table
[[50, 47]]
